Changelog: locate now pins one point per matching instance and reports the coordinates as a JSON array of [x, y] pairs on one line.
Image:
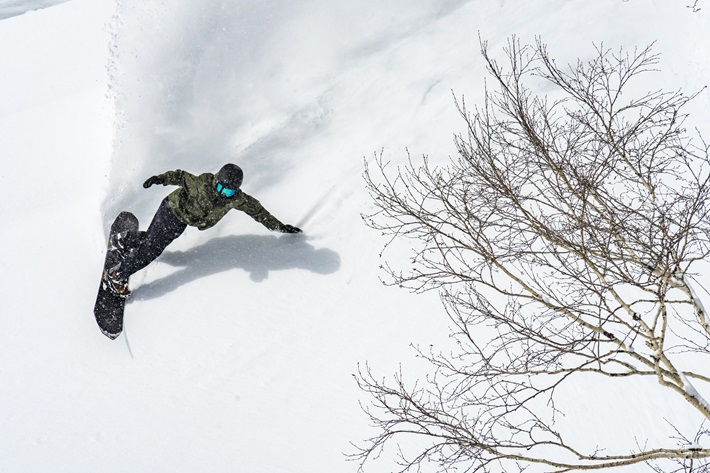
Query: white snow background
[[240, 344]]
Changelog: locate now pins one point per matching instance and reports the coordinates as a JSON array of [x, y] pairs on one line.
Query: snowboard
[[109, 307]]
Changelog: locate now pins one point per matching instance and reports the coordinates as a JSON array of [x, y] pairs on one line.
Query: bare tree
[[694, 6], [563, 239]]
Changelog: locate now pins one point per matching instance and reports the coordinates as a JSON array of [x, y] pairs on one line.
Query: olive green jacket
[[197, 202]]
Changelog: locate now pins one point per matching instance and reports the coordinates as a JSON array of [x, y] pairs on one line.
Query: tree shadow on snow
[[255, 254]]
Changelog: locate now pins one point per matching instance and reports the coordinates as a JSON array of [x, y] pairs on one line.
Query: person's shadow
[[255, 254]]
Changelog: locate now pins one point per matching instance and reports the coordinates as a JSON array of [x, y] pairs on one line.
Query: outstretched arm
[[255, 210], [170, 178]]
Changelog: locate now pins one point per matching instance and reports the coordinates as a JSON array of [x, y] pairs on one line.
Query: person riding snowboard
[[201, 201]]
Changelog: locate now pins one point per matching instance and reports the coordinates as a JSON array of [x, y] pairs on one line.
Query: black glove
[[289, 229], [152, 180]]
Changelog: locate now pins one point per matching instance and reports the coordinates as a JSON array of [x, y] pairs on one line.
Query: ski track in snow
[[241, 343]]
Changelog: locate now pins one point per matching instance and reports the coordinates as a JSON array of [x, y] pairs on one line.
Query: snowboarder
[[201, 201]]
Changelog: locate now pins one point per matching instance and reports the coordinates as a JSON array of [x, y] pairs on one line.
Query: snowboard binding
[[113, 282]]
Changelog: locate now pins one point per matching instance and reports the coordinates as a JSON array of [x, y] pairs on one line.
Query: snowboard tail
[[109, 307]]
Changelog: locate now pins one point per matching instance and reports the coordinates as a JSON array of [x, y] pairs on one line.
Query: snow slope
[[240, 344], [10, 8]]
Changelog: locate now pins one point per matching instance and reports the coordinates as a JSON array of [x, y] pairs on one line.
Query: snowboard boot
[[116, 284]]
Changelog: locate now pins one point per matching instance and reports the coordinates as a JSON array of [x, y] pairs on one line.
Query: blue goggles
[[224, 191]]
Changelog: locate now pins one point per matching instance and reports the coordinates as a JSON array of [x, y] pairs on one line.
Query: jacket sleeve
[[255, 210], [174, 178]]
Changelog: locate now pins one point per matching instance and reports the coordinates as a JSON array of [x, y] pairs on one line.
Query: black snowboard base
[[109, 307]]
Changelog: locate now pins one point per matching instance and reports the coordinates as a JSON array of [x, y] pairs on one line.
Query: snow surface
[[10, 8], [240, 344]]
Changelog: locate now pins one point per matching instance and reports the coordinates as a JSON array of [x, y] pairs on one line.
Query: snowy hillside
[[10, 8], [240, 344]]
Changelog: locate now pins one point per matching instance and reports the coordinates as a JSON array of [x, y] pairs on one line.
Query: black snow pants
[[164, 228]]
